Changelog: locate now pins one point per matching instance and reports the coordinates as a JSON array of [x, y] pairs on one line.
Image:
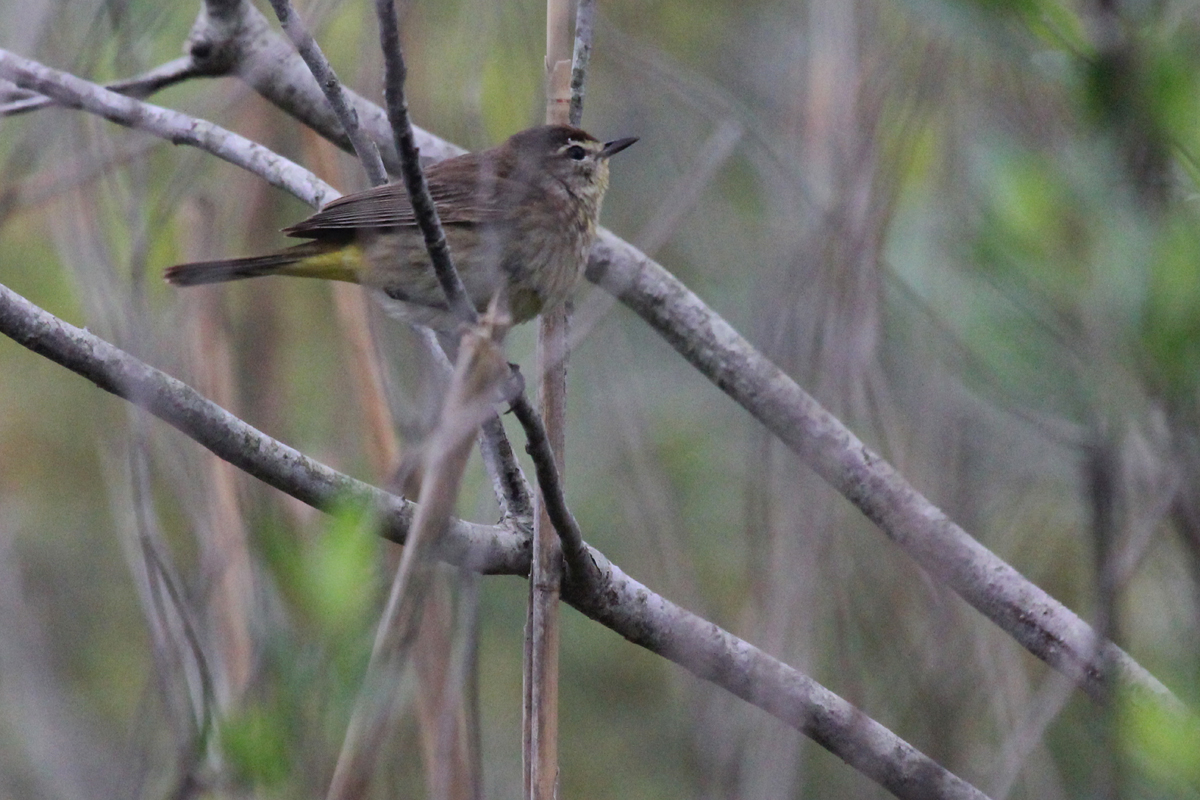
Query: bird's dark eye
[[576, 152]]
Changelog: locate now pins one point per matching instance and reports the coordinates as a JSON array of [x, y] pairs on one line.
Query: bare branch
[[424, 210], [508, 481], [644, 618], [1040, 623], [583, 569], [481, 548], [73, 92], [615, 600], [310, 51], [1036, 620], [1044, 626], [144, 85], [584, 16]]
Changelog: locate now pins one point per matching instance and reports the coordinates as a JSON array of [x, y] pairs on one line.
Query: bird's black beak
[[614, 147]]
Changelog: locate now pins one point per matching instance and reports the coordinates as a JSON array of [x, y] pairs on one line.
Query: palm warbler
[[519, 218]]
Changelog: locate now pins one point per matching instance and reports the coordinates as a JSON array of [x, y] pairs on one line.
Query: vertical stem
[[225, 554], [546, 573], [585, 14], [542, 635], [307, 46], [558, 62]]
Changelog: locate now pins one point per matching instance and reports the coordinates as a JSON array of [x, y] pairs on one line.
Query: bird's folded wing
[[461, 199]]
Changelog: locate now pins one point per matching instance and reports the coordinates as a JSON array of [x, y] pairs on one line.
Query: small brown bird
[[519, 218]]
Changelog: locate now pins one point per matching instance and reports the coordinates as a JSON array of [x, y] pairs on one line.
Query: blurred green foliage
[[331, 580], [256, 742], [1163, 747]]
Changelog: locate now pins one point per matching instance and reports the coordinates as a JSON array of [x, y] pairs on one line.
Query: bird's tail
[[328, 260]]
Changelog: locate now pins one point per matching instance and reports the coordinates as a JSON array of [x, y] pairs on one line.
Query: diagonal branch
[[481, 548], [710, 653], [615, 600], [424, 210], [585, 15], [310, 51], [1041, 624], [144, 85], [177, 128], [231, 37], [574, 549]]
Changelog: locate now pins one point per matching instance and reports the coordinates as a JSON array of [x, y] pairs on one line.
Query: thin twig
[[144, 85], [497, 451], [482, 548], [584, 16], [537, 445], [508, 481], [310, 51], [156, 570], [623, 604], [169, 617], [512, 490], [424, 210], [164, 123]]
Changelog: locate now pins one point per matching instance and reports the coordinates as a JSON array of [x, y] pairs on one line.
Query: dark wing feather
[[462, 194]]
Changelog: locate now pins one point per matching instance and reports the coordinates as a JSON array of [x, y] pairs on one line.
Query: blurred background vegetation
[[968, 227]]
